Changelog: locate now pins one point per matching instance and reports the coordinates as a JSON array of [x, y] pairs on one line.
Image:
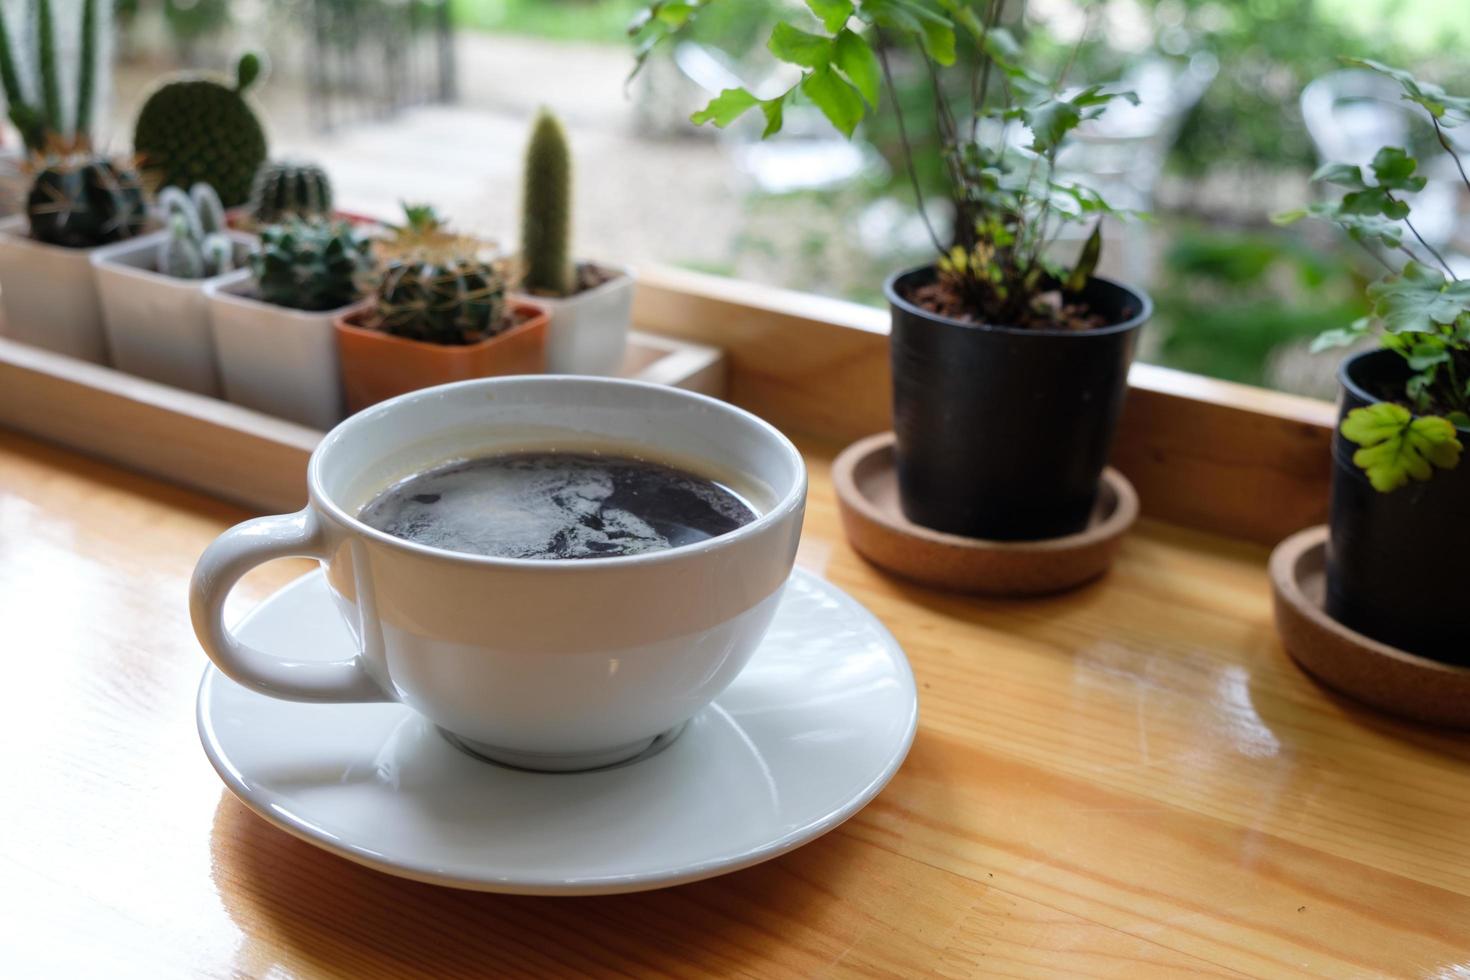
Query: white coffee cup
[[545, 664]]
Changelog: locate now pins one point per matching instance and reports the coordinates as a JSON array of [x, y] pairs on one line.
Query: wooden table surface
[[1127, 780]]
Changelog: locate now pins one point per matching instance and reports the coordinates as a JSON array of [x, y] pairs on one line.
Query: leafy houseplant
[[78, 199], [153, 305], [591, 306], [273, 322], [437, 312], [1009, 369], [1398, 536]]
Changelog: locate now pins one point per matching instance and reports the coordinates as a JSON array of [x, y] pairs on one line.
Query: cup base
[[621, 755]]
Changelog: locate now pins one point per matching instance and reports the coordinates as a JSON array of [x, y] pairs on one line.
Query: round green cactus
[[84, 202], [200, 129], [316, 265], [283, 189], [456, 302]]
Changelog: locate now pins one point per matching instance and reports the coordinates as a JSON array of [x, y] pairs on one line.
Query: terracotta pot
[[377, 365]]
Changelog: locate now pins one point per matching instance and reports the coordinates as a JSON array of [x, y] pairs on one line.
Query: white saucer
[[814, 727]]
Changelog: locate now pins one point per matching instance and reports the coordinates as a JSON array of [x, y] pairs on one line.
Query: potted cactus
[[590, 305], [438, 312], [272, 322], [1396, 566], [78, 200], [152, 305]]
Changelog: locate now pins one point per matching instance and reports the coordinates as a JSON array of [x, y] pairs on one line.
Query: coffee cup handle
[[223, 563]]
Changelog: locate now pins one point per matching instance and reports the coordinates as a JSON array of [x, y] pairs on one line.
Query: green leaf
[[1394, 169], [1373, 200], [1450, 110], [774, 110], [1049, 121], [1284, 218], [1397, 447], [1342, 174], [725, 108], [1371, 228], [935, 32], [1418, 298], [1342, 336], [1086, 261], [1427, 354], [832, 13], [837, 99], [797, 47], [857, 61]]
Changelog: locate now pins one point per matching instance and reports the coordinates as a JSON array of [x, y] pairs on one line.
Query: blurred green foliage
[[1228, 299]]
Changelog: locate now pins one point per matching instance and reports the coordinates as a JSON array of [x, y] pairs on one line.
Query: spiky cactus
[[197, 246], [546, 211], [309, 265], [284, 189], [197, 128], [81, 201], [461, 301], [35, 103]]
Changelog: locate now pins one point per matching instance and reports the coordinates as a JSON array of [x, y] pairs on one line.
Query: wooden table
[[1127, 780]]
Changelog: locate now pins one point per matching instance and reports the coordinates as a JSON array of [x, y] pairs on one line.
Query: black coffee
[[556, 505]]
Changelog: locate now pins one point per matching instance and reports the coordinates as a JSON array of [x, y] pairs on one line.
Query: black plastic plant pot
[[1003, 432], [1398, 563]]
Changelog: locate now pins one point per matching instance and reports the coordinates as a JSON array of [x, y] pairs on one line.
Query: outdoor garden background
[[404, 99]]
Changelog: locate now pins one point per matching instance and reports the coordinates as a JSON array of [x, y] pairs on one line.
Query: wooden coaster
[[867, 492], [1375, 673]]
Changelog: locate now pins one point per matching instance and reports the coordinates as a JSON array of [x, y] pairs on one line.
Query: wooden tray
[[222, 449]]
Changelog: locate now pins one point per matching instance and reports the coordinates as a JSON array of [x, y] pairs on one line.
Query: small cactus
[[546, 211], [43, 122], [218, 252], [458, 302], [82, 200], [197, 246], [179, 255], [207, 204], [316, 265], [283, 189]]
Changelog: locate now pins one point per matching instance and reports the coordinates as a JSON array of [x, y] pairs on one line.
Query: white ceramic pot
[[588, 332], [272, 358], [546, 664], [49, 294], [158, 326]]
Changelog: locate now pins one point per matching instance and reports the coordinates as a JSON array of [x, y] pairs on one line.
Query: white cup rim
[[793, 499]]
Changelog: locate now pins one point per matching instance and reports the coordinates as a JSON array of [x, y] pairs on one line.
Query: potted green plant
[[1009, 370], [153, 305], [272, 323], [437, 312], [1396, 567], [590, 305], [78, 200]]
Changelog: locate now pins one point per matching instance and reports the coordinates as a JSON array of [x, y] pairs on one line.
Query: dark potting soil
[[1050, 311]]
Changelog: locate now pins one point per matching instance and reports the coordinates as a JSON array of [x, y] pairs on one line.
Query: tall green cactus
[[546, 211], [41, 122]]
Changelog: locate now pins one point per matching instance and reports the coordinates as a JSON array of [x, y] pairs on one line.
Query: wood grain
[[1208, 454], [1130, 780]]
